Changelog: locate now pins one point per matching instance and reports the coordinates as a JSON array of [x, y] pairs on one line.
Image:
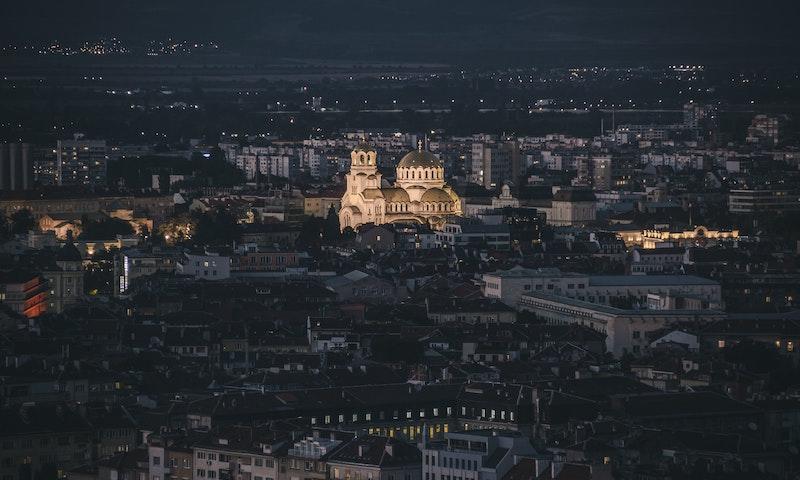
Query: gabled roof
[[356, 275], [376, 451]]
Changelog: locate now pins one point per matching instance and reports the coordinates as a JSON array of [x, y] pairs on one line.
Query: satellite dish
[[752, 426]]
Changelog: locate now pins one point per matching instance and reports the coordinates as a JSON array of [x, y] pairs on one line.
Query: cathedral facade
[[419, 194]]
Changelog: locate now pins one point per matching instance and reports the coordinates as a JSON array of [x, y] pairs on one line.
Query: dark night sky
[[469, 31]]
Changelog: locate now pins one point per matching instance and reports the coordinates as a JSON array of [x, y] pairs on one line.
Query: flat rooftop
[[572, 302], [648, 280]]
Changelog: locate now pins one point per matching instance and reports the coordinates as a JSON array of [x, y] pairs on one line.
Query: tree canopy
[[22, 221], [105, 229]]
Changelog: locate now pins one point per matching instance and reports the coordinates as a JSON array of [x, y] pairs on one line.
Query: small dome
[[372, 193], [420, 158], [436, 195], [393, 195]]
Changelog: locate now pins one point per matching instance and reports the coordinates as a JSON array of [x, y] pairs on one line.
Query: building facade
[[474, 455], [82, 162]]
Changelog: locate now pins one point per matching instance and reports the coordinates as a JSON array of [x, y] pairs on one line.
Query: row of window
[[8, 462], [451, 462], [550, 286], [789, 345], [432, 476], [27, 443], [417, 175], [257, 461], [367, 417], [357, 475], [367, 291], [408, 414]]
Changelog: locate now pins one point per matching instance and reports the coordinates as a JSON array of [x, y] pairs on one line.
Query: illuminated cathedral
[[419, 194]]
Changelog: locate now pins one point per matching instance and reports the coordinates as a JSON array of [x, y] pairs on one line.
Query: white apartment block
[[510, 285], [474, 455]]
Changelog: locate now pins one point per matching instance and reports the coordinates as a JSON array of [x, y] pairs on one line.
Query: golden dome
[[420, 159]]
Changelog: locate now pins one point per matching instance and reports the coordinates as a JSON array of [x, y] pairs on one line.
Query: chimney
[[541, 465], [555, 469], [361, 451]]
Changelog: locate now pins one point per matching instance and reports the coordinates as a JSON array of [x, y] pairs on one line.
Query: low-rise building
[[475, 312], [319, 204], [766, 200], [25, 293], [65, 279], [206, 266], [510, 285], [38, 440], [626, 330], [474, 455], [133, 263], [358, 285], [251, 258], [307, 458], [240, 452], [466, 234], [572, 207], [377, 458], [378, 238], [657, 260]]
